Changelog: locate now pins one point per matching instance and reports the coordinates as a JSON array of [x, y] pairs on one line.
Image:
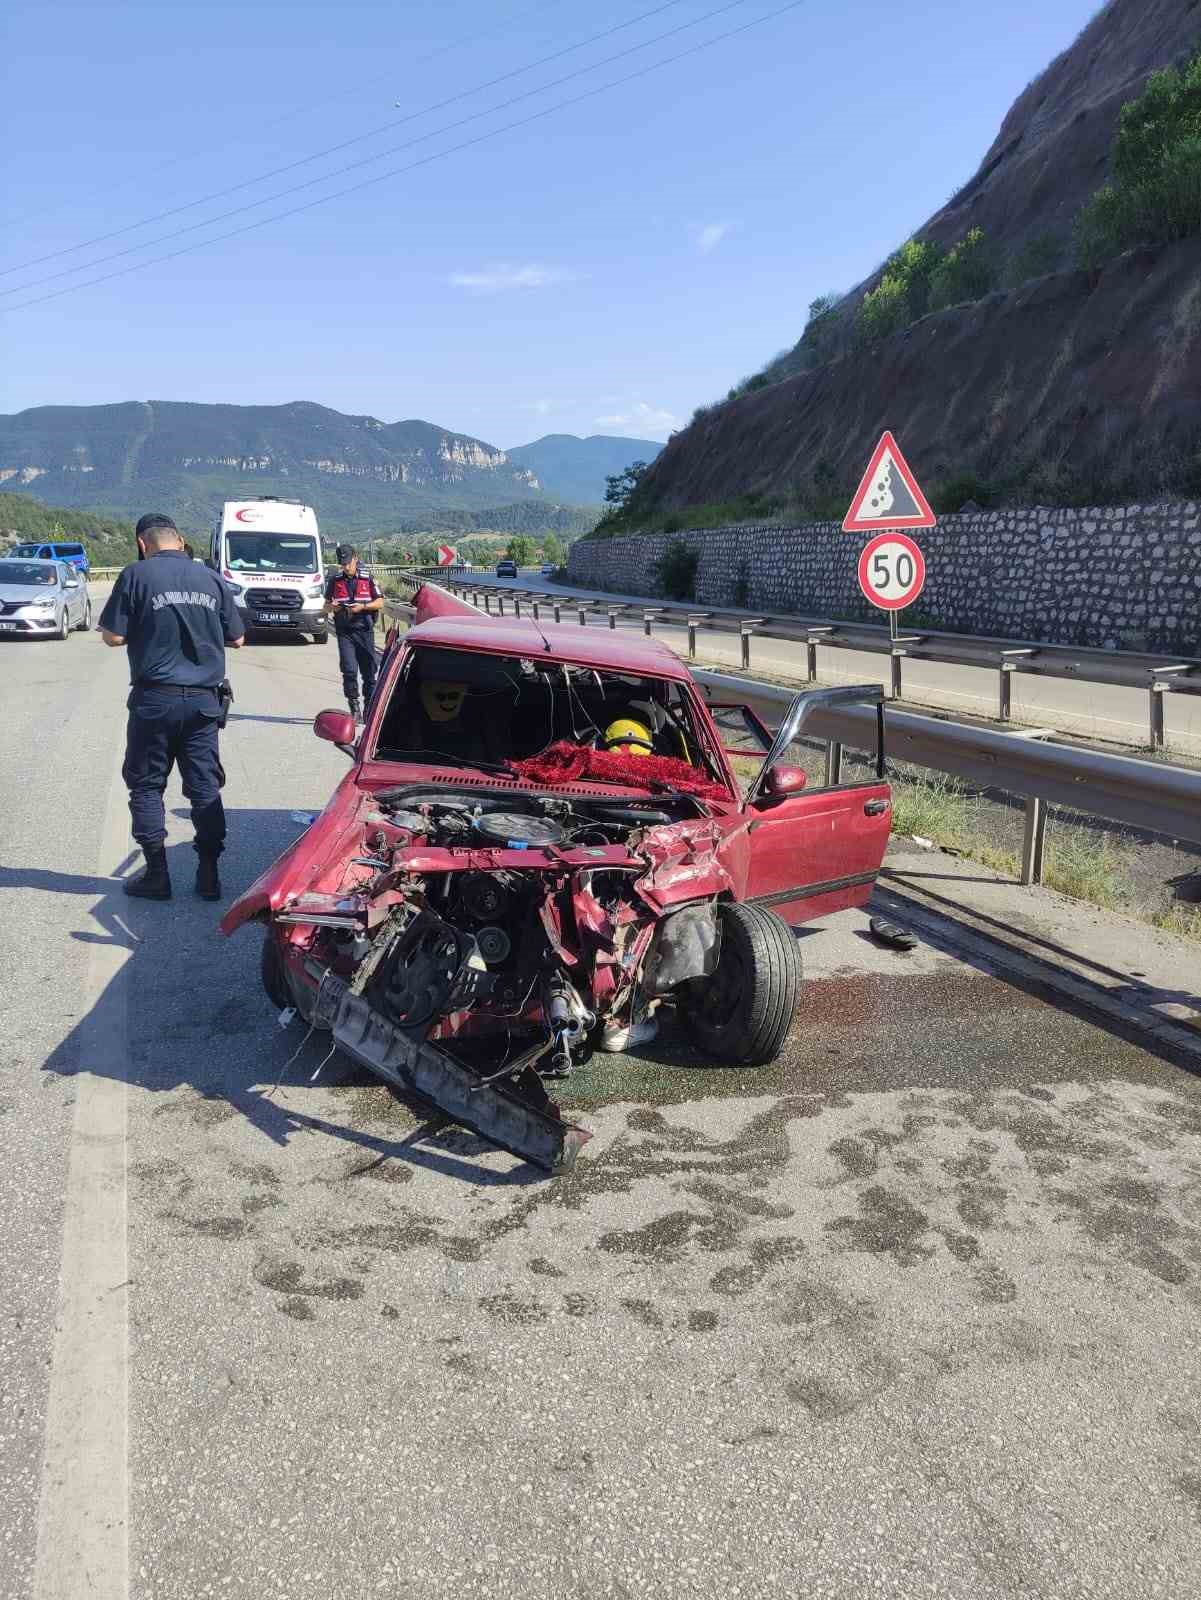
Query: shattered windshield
[[542, 721]]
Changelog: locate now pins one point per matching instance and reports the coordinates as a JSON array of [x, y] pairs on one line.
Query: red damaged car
[[542, 841]]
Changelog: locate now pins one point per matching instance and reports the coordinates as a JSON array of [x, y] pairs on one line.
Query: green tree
[[552, 550], [521, 548], [967, 272], [1155, 194], [1039, 255], [619, 486]]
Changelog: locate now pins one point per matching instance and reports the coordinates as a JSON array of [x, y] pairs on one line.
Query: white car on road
[[43, 598]]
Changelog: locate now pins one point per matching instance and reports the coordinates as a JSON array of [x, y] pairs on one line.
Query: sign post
[[892, 569]]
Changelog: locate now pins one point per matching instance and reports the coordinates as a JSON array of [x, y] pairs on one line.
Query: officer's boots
[[155, 882], [208, 883], [356, 708]]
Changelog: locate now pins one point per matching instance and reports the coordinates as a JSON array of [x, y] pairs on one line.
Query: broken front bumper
[[492, 1110]]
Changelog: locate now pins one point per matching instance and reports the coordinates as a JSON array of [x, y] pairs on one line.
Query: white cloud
[[540, 408], [708, 237], [640, 421], [505, 275]]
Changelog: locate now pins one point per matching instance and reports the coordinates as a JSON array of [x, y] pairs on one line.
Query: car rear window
[[68, 549]]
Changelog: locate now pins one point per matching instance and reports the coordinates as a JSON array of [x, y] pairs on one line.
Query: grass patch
[[1182, 921], [933, 807], [1087, 866]]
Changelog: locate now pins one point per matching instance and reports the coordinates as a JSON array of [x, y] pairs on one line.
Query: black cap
[[345, 551], [154, 519]]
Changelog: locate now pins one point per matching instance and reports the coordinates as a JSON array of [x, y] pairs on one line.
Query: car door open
[[815, 847]]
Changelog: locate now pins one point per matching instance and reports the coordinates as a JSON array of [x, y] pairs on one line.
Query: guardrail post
[[487, 602], [516, 605], [648, 618], [745, 630], [811, 659], [1158, 689], [833, 763], [582, 613], [534, 608], [613, 618], [1005, 692], [691, 639], [1033, 840], [897, 657], [556, 609]]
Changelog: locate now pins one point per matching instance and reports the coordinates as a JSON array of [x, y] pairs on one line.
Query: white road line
[[83, 1534]]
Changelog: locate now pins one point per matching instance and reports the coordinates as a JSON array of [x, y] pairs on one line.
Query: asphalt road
[[1090, 710], [913, 1312]]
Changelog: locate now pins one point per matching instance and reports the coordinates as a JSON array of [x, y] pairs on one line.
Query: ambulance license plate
[[272, 616]]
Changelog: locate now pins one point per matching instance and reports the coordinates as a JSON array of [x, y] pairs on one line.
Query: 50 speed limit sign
[[892, 571]]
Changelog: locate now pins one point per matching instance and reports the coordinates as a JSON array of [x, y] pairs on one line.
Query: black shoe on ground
[[208, 884], [356, 710], [155, 882]]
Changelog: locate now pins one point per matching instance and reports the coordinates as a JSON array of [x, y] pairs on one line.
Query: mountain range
[[576, 468], [357, 471]]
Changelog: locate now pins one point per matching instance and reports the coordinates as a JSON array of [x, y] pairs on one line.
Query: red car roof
[[521, 636]]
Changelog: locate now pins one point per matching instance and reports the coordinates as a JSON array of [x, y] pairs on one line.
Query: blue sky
[[604, 269]]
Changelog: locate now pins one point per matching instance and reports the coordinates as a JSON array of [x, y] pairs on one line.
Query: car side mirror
[[785, 780], [338, 727]]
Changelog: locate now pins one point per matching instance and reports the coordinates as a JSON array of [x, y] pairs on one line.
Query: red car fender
[[296, 869]]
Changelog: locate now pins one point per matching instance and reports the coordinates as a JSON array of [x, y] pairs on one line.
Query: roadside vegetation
[[1078, 860]]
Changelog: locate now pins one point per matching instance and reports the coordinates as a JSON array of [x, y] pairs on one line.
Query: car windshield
[[270, 552], [467, 708], [25, 550], [28, 574]]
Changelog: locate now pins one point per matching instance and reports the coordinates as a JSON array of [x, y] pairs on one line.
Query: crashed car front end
[[470, 947]]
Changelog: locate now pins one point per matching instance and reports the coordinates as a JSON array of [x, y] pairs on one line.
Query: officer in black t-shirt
[[175, 617], [351, 595]]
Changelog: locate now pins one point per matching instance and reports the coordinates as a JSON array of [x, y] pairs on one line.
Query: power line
[[366, 161], [438, 155], [290, 116], [333, 149]]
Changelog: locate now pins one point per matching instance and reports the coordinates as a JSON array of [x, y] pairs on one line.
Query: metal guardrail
[[1157, 674], [1151, 796]]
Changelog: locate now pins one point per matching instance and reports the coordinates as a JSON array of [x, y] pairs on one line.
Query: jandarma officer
[[354, 599], [176, 618]]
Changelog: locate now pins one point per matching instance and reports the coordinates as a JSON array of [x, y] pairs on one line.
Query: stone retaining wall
[[1115, 576]]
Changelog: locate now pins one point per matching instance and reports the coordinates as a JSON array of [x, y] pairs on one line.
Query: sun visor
[[466, 666]]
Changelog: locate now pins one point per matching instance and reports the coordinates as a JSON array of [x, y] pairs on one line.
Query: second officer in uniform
[[354, 599]]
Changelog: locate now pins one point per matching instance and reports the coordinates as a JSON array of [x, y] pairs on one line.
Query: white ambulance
[[268, 551]]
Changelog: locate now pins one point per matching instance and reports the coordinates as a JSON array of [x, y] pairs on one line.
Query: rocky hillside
[[187, 458], [1057, 385]]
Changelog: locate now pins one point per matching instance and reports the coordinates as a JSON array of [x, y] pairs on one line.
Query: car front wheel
[[742, 1012], [85, 622], [64, 626]]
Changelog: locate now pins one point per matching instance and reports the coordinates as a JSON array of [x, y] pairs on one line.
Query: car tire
[[271, 970], [86, 622], [742, 1012], [64, 626]]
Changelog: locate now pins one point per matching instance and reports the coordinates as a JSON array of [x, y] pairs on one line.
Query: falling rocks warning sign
[[888, 495]]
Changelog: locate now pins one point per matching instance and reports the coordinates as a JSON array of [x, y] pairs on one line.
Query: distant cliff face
[[191, 455], [1071, 385]]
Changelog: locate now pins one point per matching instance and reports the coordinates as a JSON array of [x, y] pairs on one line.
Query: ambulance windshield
[[270, 552]]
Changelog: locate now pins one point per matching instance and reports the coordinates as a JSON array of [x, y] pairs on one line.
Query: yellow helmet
[[629, 737]]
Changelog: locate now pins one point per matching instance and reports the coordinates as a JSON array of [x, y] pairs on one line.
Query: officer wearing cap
[[351, 595], [175, 618]]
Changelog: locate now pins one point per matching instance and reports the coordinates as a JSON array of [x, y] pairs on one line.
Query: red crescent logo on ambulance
[[248, 514]]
